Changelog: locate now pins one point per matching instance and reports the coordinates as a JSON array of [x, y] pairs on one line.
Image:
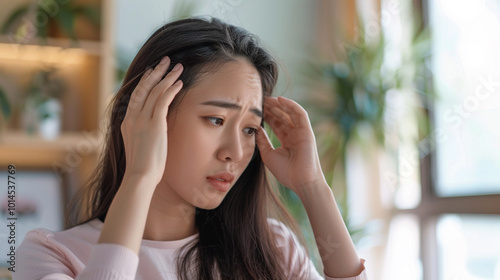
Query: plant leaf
[[14, 18], [4, 104], [91, 12], [66, 20]]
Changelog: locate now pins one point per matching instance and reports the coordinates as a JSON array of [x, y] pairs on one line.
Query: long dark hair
[[235, 240]]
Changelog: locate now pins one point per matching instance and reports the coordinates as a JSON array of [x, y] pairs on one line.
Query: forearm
[[335, 245], [126, 217]]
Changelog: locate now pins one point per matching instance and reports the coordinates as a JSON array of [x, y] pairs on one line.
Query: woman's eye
[[250, 131], [215, 121]]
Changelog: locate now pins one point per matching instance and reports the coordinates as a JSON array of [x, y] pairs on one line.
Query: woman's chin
[[207, 198], [209, 205]]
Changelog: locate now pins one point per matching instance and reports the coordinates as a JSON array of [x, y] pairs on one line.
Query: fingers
[[148, 81], [163, 93], [148, 89], [277, 118], [287, 119], [277, 121], [293, 110], [263, 143], [138, 96], [161, 109]]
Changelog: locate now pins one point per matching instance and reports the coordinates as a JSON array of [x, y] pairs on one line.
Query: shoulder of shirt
[[87, 232], [276, 225], [283, 234]]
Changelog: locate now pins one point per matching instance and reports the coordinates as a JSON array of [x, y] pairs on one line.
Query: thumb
[[263, 143]]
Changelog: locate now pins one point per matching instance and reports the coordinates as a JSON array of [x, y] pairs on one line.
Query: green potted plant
[[6, 110], [52, 20], [42, 106], [348, 107]]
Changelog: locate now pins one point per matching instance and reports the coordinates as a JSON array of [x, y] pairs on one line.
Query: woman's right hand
[[144, 128]]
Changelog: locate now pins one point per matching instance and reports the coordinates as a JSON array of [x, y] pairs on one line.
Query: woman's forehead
[[236, 82]]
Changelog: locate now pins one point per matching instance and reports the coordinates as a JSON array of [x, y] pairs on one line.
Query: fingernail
[[164, 60], [177, 67]]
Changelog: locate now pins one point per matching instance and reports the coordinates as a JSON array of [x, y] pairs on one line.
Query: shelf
[[87, 67], [68, 150], [52, 51], [87, 46], [90, 141]]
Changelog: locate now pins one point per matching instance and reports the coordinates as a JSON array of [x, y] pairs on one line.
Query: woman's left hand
[[296, 163]]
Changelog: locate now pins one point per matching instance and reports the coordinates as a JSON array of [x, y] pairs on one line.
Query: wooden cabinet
[[86, 67]]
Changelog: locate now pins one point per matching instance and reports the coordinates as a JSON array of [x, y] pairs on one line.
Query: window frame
[[431, 205]]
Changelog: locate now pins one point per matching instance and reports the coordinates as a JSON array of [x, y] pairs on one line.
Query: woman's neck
[[169, 217]]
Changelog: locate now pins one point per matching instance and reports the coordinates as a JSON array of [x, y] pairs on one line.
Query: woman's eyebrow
[[230, 105]]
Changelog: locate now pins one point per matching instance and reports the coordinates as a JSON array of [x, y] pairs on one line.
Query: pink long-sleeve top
[[75, 254]]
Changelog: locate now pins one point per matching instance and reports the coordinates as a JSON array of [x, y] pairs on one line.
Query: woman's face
[[211, 134]]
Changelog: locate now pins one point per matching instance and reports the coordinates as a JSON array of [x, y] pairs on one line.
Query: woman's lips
[[221, 181]]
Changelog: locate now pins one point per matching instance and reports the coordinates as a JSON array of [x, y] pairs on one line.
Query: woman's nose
[[231, 148]]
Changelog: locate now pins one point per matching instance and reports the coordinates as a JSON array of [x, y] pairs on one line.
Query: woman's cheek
[[248, 152]]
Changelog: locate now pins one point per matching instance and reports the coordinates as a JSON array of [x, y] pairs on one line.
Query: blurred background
[[404, 97]]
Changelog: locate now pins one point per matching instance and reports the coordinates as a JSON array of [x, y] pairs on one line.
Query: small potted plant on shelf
[[42, 107], [39, 19], [5, 110]]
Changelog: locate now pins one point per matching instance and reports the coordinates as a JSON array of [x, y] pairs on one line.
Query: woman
[[181, 191]]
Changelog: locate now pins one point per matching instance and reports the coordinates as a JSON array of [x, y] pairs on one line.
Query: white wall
[[286, 27]]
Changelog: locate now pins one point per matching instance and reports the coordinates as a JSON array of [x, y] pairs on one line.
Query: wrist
[[313, 189], [139, 181]]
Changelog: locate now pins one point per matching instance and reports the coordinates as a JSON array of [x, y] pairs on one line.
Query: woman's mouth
[[221, 182]]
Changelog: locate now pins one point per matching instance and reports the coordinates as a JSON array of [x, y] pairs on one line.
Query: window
[[469, 246], [454, 219], [467, 81]]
